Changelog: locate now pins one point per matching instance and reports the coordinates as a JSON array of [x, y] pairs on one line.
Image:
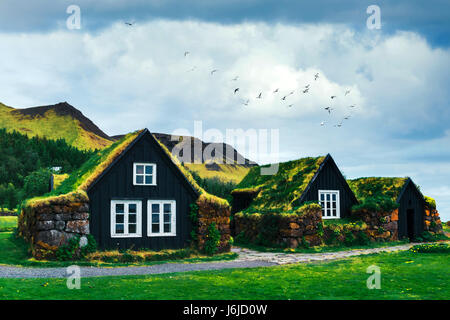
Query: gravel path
[[247, 259]]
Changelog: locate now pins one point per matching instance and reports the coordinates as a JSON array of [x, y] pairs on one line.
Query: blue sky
[[125, 78]]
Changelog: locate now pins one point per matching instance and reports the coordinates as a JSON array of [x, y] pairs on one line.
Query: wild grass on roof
[[279, 191], [80, 180], [377, 193]]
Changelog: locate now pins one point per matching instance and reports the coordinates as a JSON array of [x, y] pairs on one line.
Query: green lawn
[[404, 275], [8, 223]]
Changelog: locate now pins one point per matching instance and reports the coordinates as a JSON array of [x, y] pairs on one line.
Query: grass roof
[[364, 188], [279, 191], [377, 193], [79, 181]]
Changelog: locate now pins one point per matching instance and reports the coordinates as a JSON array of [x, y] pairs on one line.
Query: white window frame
[[144, 175], [173, 219], [126, 234], [338, 204]]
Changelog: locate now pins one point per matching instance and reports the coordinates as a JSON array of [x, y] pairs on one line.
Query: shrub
[[72, 249], [431, 248], [362, 238], [212, 239], [349, 238], [231, 241], [241, 238]]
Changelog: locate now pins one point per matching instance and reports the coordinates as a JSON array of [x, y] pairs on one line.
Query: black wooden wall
[[330, 178], [410, 199], [117, 184]]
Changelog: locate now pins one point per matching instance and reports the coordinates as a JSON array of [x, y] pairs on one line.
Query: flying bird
[[259, 96], [213, 71], [276, 90], [292, 92], [284, 98], [307, 86], [289, 106], [351, 106], [322, 123], [347, 117], [316, 76], [306, 90], [128, 23], [338, 125], [246, 102], [186, 53], [236, 90], [332, 97], [347, 92], [235, 78], [329, 109]]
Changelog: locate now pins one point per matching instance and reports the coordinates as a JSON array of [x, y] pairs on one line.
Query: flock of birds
[[303, 90]]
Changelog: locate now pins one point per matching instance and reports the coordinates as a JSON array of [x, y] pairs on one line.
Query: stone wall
[[381, 226], [211, 211], [432, 221], [275, 229], [48, 226]]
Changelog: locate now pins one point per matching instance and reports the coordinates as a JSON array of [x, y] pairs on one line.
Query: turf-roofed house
[[291, 199], [399, 203], [132, 195]]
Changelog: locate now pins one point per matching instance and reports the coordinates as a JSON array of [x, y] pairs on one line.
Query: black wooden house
[[141, 200]]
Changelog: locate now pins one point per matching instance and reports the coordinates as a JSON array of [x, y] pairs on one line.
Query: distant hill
[[65, 121], [55, 122]]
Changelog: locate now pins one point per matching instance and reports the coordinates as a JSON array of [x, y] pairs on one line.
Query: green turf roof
[[370, 187], [279, 191]]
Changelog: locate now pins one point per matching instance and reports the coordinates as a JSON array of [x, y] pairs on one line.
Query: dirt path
[[247, 259]]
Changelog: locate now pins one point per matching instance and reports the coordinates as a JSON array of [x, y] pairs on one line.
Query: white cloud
[[126, 78]]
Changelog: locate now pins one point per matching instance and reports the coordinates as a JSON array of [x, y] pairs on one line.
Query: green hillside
[[60, 121]]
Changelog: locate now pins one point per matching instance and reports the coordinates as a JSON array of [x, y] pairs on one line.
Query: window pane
[[119, 228], [132, 208], [148, 169], [131, 228], [120, 208], [334, 205], [328, 197], [155, 207], [132, 218], [139, 169], [167, 227], [155, 228], [167, 207], [155, 218], [139, 179], [148, 179], [334, 212], [334, 197], [167, 217], [119, 218]]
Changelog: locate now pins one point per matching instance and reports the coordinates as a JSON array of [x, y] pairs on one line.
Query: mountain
[[65, 121], [55, 122]]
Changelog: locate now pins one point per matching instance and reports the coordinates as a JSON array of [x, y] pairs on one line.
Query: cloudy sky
[[129, 77]]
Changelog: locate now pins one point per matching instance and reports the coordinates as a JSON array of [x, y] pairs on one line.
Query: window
[[144, 174], [161, 218], [329, 200], [126, 221]]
